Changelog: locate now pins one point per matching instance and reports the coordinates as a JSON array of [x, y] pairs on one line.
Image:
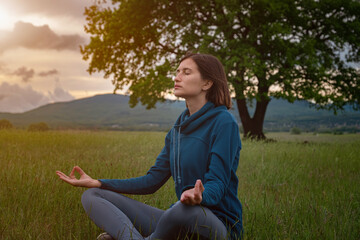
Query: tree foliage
[[38, 127], [295, 131], [5, 124], [302, 49]]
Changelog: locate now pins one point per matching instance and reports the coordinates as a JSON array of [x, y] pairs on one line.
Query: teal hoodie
[[206, 146]]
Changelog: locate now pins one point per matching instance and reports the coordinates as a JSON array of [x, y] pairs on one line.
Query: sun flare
[[6, 18]]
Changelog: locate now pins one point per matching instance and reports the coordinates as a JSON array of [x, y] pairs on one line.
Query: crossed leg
[[125, 218]]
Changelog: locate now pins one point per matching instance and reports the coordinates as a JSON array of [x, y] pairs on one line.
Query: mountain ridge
[[111, 111]]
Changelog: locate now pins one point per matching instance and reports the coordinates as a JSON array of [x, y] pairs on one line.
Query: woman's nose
[[176, 78]]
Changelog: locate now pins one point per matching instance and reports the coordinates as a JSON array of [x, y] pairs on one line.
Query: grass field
[[299, 187]]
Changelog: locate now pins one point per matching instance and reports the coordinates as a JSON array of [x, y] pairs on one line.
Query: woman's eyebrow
[[183, 69]]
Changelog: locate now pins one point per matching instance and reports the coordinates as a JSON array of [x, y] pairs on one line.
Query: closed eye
[[186, 71]]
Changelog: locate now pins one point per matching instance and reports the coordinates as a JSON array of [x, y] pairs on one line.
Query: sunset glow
[[40, 54], [6, 20]]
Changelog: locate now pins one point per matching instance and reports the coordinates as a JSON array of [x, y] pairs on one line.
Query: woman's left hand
[[193, 196]]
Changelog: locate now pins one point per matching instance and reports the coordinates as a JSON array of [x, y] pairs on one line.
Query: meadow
[[298, 187]]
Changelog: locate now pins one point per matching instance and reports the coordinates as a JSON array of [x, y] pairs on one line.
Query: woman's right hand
[[84, 180]]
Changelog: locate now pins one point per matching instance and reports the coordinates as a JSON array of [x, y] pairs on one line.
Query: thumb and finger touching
[[77, 169], [71, 179]]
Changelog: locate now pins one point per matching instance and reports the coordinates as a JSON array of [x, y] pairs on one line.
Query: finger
[[202, 188], [64, 178], [185, 197], [76, 169], [79, 170], [68, 180], [72, 174], [61, 174], [185, 201], [198, 186], [198, 190]]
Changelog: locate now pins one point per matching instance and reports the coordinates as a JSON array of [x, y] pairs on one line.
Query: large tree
[[291, 49]]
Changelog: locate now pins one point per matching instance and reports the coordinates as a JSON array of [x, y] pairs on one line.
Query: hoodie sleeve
[[224, 150], [147, 184]]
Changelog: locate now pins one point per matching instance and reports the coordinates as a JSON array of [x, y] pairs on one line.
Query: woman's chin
[[178, 94]]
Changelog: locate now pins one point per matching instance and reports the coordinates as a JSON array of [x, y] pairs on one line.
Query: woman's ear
[[207, 85]]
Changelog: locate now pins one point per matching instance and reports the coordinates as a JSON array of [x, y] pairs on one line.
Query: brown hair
[[211, 69]]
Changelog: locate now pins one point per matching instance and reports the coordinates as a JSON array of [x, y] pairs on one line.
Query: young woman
[[201, 154]]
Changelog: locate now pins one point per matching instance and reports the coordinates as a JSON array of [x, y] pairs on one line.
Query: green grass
[[300, 187]]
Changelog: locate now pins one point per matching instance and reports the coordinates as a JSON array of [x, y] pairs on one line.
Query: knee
[[88, 197], [182, 215]]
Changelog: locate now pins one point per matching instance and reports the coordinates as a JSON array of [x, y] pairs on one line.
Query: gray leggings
[[125, 218]]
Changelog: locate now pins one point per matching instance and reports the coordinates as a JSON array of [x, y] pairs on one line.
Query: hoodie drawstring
[[177, 176], [178, 158]]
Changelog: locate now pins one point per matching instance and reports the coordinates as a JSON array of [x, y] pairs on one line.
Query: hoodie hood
[[187, 123]]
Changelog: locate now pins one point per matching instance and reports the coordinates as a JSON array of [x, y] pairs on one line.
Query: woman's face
[[188, 81]]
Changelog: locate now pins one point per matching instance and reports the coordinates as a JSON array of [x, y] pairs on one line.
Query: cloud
[[4, 70], [48, 73], [39, 37], [16, 99], [24, 73], [2, 66], [60, 95], [74, 8]]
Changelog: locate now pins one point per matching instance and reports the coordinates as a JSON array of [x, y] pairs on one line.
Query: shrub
[[38, 127], [5, 124], [338, 132], [295, 131]]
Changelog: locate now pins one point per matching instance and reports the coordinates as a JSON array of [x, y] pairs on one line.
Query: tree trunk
[[253, 127]]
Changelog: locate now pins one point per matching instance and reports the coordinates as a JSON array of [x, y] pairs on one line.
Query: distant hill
[[111, 111], [282, 116], [100, 111]]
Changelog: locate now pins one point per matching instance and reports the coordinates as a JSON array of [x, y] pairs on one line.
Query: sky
[[40, 59]]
